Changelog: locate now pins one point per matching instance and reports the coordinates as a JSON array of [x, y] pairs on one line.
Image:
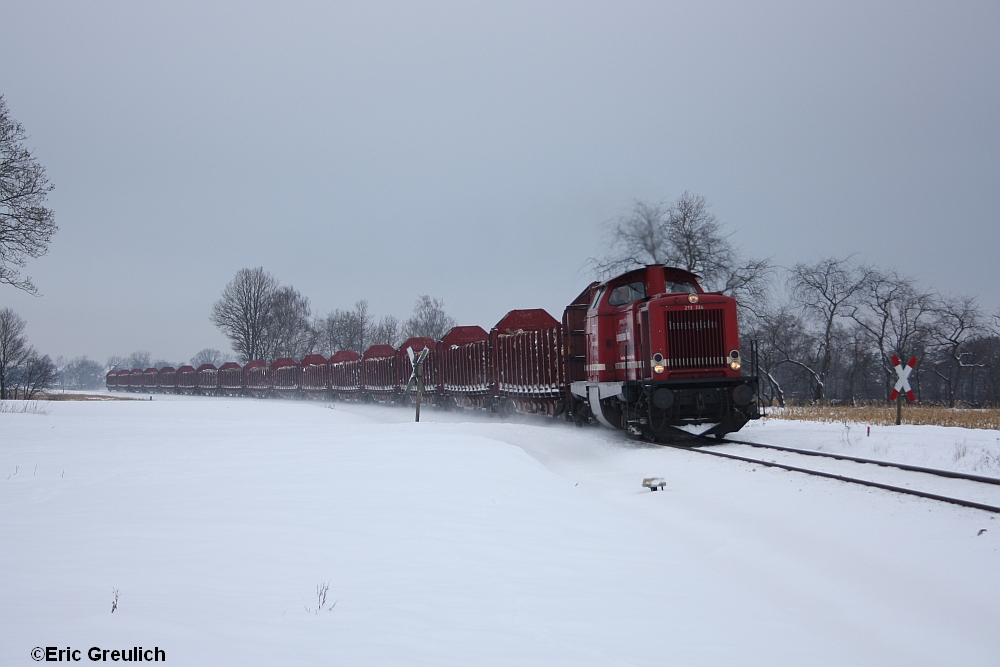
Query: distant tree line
[[833, 334], [824, 331], [79, 373], [266, 320], [24, 372]]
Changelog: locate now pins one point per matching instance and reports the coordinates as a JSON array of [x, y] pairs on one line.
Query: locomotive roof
[[670, 272]]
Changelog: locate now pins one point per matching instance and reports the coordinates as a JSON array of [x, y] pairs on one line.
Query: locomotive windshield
[[681, 287], [627, 293]]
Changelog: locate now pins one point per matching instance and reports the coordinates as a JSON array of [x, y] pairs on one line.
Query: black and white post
[[417, 376]]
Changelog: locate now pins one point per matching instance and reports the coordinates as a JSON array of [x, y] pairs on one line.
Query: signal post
[[902, 385]]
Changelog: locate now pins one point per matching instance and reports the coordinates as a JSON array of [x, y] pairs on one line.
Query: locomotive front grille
[[695, 339]]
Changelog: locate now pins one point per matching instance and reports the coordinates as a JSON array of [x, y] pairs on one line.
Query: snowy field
[[469, 541], [975, 451]]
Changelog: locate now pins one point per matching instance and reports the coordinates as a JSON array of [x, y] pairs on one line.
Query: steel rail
[[842, 478], [856, 459]]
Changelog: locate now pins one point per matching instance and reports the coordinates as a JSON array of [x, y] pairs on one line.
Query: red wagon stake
[[315, 375]]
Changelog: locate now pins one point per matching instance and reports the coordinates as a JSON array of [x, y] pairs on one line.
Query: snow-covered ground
[[463, 540], [975, 451]]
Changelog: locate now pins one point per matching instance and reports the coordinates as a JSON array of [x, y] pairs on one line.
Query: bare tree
[[14, 349], [81, 373], [696, 240], [784, 342], [207, 356], [686, 235], [26, 225], [35, 374], [289, 331], [346, 330], [386, 332], [138, 359], [429, 319], [635, 240], [892, 312], [990, 353], [773, 330], [957, 321], [749, 282], [244, 312], [825, 290], [23, 372]]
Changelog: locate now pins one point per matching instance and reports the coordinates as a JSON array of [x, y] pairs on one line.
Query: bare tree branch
[[26, 225], [244, 310], [429, 319], [14, 348], [686, 235], [824, 290]]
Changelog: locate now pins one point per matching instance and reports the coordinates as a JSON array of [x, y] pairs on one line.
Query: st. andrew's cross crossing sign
[[903, 383]]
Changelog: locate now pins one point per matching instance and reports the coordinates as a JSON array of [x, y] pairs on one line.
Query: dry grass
[[885, 415], [83, 397], [22, 408]]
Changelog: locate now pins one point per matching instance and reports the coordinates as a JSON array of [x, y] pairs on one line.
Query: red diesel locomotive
[[652, 353], [648, 352]]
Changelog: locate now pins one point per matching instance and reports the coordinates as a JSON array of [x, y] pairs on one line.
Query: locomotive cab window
[[598, 293], [681, 287], [627, 293]]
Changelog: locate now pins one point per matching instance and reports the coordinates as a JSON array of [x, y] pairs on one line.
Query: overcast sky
[[472, 151]]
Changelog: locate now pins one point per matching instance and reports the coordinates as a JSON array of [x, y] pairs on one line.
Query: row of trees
[[24, 372], [825, 330], [79, 373], [266, 320], [832, 336]]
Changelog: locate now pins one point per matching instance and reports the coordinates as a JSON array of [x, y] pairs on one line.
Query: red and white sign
[[903, 383]]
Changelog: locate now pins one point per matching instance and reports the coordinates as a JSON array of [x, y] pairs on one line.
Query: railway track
[[711, 445]]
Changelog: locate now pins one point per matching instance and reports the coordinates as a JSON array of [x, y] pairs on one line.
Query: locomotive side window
[[627, 293], [597, 297], [681, 287]]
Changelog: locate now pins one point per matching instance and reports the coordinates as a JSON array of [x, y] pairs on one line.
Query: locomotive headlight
[[658, 365], [734, 364], [734, 359], [693, 298]]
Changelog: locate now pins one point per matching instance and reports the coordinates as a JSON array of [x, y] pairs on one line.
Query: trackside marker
[[417, 376], [903, 383]]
